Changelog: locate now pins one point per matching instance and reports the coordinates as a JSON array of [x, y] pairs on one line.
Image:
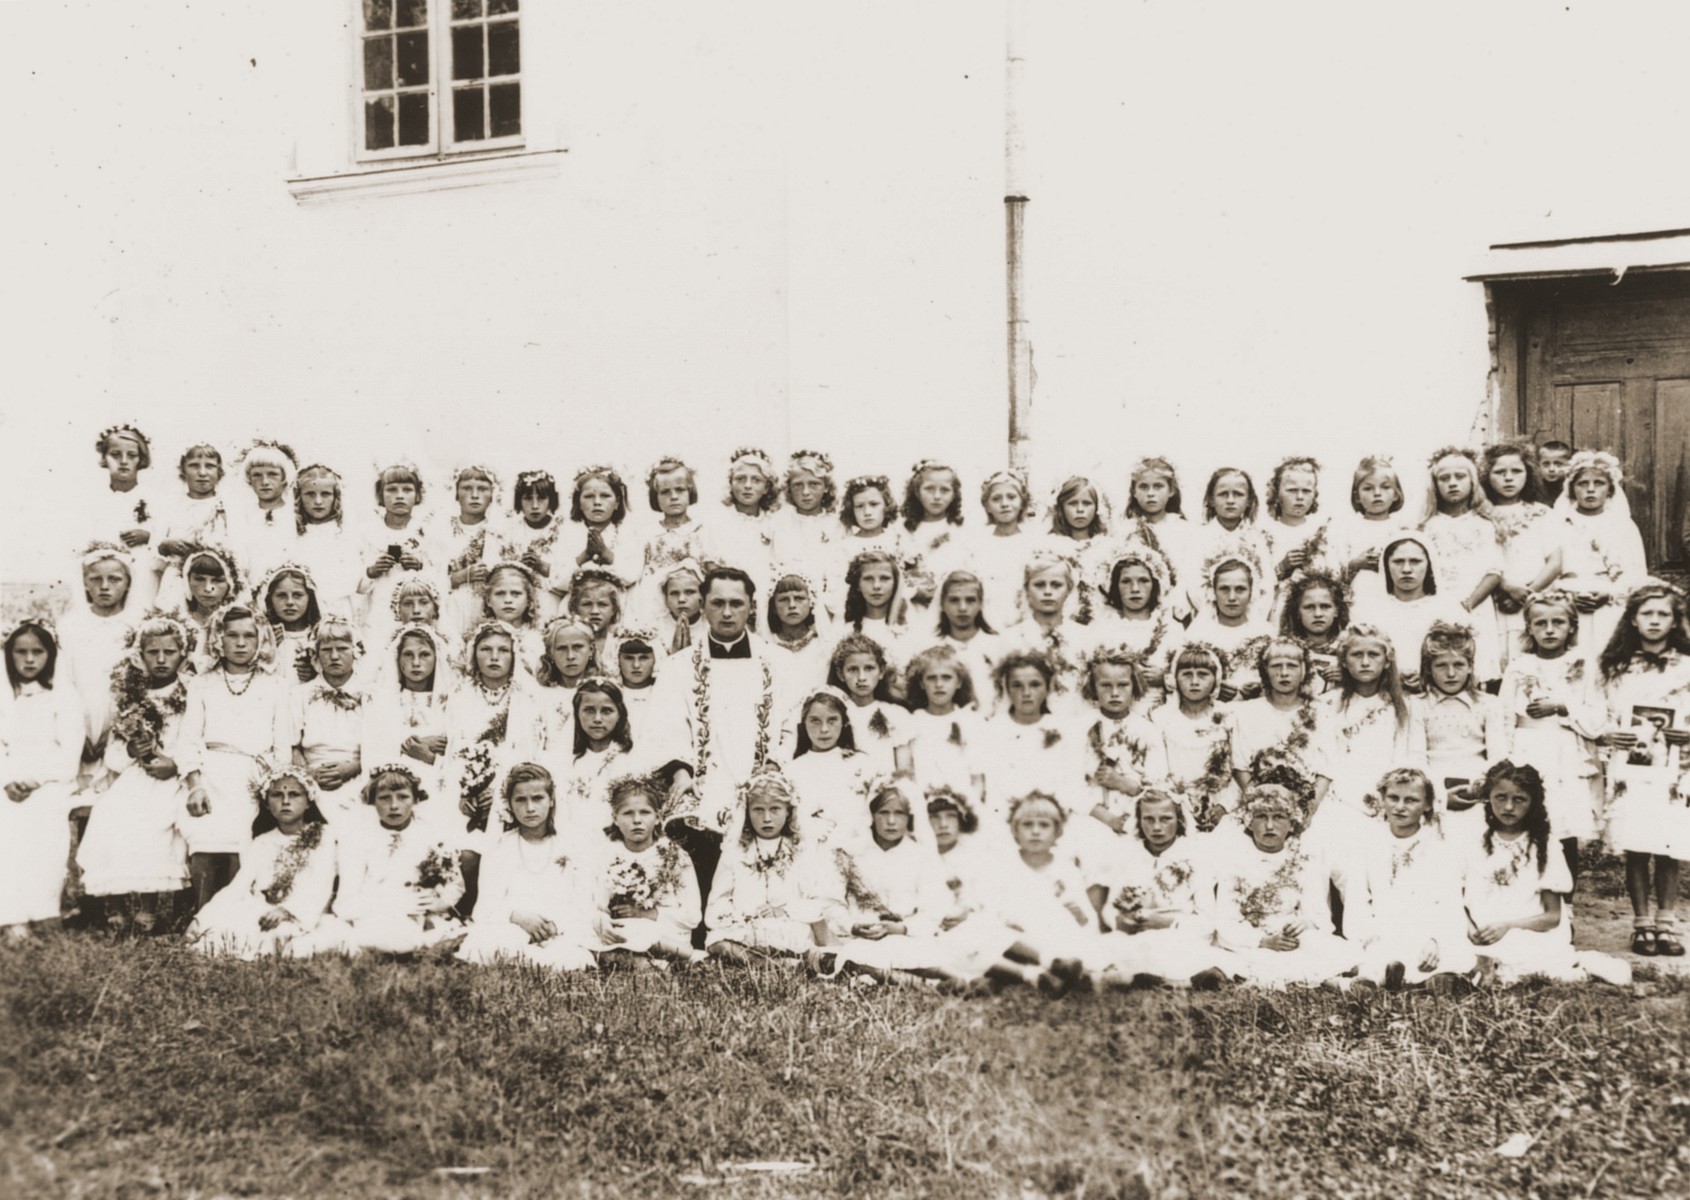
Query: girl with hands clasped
[[534, 905], [1515, 885]]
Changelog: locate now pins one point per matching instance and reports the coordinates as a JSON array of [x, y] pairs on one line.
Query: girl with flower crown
[[960, 624], [1161, 902], [868, 514], [1314, 614], [1232, 615], [1415, 596], [678, 587], [1231, 511], [41, 737], [127, 512], [398, 527], [807, 528], [773, 888], [535, 903], [1408, 918], [743, 534], [327, 718], [1464, 537], [1271, 898], [570, 657], [798, 629], [400, 880], [493, 718], [133, 855], [947, 736], [532, 538], [631, 654], [644, 890], [931, 542], [874, 602], [407, 714], [1197, 735], [1296, 533], [1028, 746], [1124, 751], [595, 597], [1602, 554], [1551, 698], [1365, 720], [469, 541], [1464, 728], [1516, 888], [236, 715], [1047, 584], [324, 544], [288, 595], [829, 774], [603, 748], [1155, 518], [1356, 540], [1283, 718], [94, 635], [262, 530], [213, 580], [1531, 552], [598, 506], [511, 596], [1134, 589], [1002, 542], [859, 671], [286, 877], [1079, 530], [1645, 678], [671, 493], [190, 519], [894, 895]]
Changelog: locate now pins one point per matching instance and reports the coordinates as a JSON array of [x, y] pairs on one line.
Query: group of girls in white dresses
[[1263, 742]]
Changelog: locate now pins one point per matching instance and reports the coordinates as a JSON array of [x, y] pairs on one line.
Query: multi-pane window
[[440, 76]]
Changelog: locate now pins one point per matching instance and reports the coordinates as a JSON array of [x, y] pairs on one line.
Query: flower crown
[[393, 767], [830, 692], [813, 461], [41, 620], [1365, 633], [1200, 649], [793, 571], [1152, 560], [868, 481], [504, 564], [486, 472], [1012, 475], [636, 783], [1655, 583], [901, 786], [262, 588], [1117, 654], [592, 573], [564, 622], [1553, 596], [217, 554], [1232, 550], [335, 626], [533, 479], [1596, 460], [1298, 460], [597, 681], [261, 786], [1271, 799], [95, 551], [930, 464], [1153, 462], [266, 659], [752, 454], [410, 585], [124, 430], [1449, 631], [629, 635], [1033, 798], [943, 796], [490, 625], [267, 452], [596, 470], [1045, 558], [314, 469], [1452, 452], [768, 780], [669, 462], [156, 622]]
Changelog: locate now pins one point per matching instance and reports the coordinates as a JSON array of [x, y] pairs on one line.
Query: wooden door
[[1607, 367]]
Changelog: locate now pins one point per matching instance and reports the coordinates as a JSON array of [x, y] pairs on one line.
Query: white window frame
[[440, 146]]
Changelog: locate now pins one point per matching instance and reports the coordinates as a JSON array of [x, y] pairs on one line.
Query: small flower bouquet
[[630, 886]]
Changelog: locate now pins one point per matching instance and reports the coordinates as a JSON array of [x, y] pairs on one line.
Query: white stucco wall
[[1247, 232]]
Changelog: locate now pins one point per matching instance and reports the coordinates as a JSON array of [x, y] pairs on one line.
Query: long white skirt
[[226, 828], [34, 850], [395, 934], [784, 934], [228, 925], [1171, 954], [132, 843], [508, 942], [1409, 947], [1317, 958]]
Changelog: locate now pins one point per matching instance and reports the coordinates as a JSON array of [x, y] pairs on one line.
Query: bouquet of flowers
[[1130, 903], [140, 723], [630, 886], [438, 868]]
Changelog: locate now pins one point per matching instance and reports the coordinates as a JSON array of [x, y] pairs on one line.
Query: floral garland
[[1200, 794], [701, 727], [290, 861], [630, 885], [1519, 854], [1257, 904], [1172, 876], [1138, 750], [475, 775], [1402, 855], [1611, 569], [472, 554], [776, 864], [141, 715], [1302, 728], [335, 697], [1312, 549], [857, 890], [1511, 520], [1348, 732]]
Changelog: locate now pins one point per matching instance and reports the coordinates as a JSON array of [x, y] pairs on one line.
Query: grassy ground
[[137, 1069]]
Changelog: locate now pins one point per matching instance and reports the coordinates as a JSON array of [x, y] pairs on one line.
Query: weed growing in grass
[[133, 1067]]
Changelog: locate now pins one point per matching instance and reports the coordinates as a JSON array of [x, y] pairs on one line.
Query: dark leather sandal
[[1643, 942], [1667, 944]]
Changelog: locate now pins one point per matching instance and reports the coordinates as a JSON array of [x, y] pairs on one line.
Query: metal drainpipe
[[1015, 224]]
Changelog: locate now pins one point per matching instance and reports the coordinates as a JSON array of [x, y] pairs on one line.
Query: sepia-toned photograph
[[743, 600]]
